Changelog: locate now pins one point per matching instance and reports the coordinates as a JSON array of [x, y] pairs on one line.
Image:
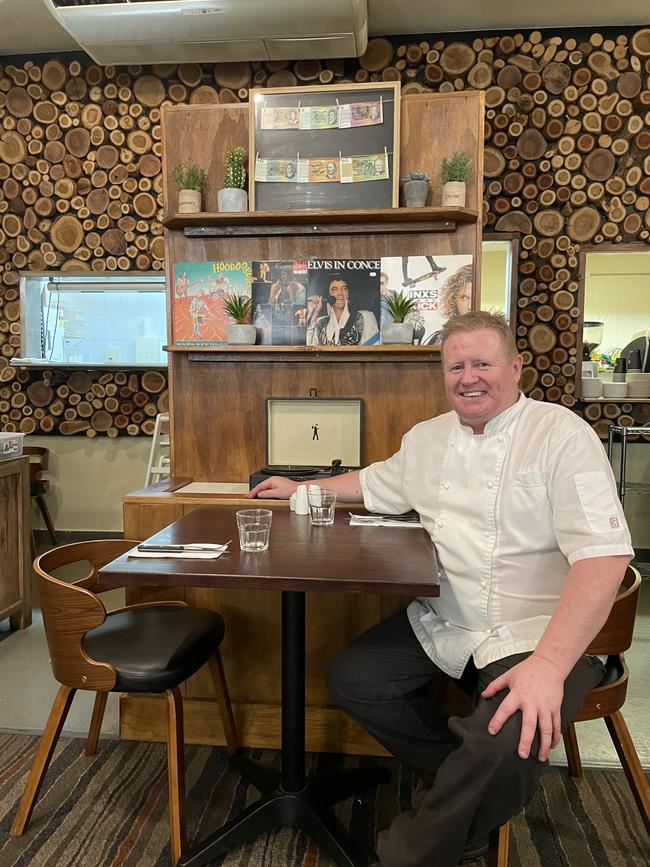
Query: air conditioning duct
[[184, 31]]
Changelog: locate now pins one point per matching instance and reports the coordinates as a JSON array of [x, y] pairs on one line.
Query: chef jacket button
[[490, 485], [440, 524], [487, 534], [482, 583], [499, 439], [445, 622], [446, 486]]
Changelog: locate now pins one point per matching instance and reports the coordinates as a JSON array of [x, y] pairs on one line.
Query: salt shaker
[[302, 503]]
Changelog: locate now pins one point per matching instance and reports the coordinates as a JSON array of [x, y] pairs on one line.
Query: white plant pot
[[232, 199], [189, 201], [453, 194], [397, 332], [242, 335]]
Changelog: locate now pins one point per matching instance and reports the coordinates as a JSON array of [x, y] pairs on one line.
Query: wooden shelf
[[378, 221], [310, 354], [614, 399]]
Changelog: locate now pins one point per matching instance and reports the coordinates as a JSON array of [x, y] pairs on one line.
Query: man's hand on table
[[536, 688], [274, 488]]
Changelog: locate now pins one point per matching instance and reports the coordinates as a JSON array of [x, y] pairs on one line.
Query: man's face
[[480, 381], [464, 299], [383, 284], [339, 293]]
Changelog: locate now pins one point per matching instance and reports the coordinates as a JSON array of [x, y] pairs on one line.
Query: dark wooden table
[[300, 557]]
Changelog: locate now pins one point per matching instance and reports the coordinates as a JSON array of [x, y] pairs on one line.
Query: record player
[[311, 438]]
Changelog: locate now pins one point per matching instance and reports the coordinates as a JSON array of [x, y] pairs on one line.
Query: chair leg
[[176, 771], [42, 505], [499, 846], [223, 700], [44, 752], [96, 723], [627, 753], [572, 751]]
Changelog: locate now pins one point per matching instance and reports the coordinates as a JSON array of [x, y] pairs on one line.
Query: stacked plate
[[592, 387], [615, 390], [638, 385]]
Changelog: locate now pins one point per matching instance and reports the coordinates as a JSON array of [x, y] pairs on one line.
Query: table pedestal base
[[307, 810]]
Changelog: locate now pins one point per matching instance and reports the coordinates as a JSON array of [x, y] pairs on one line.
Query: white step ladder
[[159, 461]]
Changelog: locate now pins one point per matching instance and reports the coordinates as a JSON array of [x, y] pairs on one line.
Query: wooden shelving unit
[[379, 221], [218, 393]]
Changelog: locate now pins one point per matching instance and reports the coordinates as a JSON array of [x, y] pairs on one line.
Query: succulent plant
[[416, 176], [235, 177], [188, 176], [239, 307], [456, 168], [398, 305]]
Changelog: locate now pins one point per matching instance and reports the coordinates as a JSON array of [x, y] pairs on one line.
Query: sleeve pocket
[[598, 503]]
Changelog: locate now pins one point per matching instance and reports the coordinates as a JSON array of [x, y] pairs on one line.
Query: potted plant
[[241, 332], [190, 180], [455, 174], [398, 306], [415, 188], [233, 196]]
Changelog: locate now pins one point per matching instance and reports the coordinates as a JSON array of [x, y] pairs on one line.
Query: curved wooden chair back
[[71, 609], [615, 635]]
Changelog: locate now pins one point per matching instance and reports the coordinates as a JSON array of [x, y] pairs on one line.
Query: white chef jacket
[[509, 511]]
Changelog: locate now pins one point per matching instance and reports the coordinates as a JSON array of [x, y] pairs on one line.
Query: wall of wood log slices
[[567, 162]]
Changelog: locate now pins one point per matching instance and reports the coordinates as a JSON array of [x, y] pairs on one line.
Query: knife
[[189, 548]]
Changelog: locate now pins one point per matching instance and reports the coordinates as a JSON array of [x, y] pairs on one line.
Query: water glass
[[254, 527], [322, 505]]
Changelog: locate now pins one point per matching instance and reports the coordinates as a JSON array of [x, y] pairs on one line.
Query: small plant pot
[[232, 199], [189, 201], [416, 193], [242, 335], [397, 332], [453, 194]]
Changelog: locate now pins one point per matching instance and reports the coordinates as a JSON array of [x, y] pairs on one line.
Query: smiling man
[[521, 503]]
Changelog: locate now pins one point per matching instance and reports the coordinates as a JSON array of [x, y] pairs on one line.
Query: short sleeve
[[588, 518], [382, 483]]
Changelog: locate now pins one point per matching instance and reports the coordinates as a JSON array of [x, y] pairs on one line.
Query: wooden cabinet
[[15, 572], [217, 398]]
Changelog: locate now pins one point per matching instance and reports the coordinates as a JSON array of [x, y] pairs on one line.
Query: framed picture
[[333, 147]]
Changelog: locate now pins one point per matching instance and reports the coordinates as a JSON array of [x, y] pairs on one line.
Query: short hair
[[475, 320]]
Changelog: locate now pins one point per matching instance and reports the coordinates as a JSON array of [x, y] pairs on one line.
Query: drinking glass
[[254, 527], [322, 505]]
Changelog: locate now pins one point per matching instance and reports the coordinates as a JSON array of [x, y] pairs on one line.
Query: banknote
[[361, 114], [319, 117], [323, 170], [368, 167], [280, 118], [276, 171]]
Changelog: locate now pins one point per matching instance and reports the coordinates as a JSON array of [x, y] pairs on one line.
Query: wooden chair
[[603, 702], [151, 647], [39, 459]]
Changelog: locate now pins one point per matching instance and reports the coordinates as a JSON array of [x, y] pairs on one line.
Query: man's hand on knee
[[536, 688]]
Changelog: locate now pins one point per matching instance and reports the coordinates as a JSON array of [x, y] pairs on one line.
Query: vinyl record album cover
[[279, 301], [441, 286], [200, 289], [343, 302]]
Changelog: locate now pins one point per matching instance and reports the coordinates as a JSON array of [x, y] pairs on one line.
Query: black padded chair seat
[[153, 649], [613, 670]]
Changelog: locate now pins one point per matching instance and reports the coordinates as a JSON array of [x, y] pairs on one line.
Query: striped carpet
[[111, 811]]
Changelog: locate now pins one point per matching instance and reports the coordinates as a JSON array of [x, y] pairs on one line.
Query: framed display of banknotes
[[333, 147]]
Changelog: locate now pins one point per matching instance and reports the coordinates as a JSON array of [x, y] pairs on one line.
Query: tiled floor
[[27, 689]]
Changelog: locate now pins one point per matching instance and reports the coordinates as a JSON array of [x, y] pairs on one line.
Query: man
[[340, 325], [521, 503]]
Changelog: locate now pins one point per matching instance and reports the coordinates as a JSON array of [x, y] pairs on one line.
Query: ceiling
[[26, 27]]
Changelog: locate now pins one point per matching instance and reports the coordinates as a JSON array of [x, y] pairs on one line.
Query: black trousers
[[478, 779]]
